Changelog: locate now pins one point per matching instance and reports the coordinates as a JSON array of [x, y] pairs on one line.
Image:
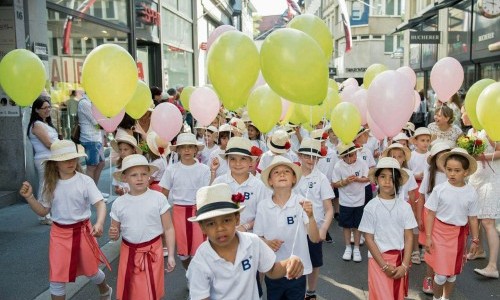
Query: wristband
[[404, 266], [385, 267]]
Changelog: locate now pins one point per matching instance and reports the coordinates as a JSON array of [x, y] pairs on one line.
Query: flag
[[292, 4], [347, 26]]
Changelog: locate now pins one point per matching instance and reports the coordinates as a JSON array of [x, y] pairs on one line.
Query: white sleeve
[[336, 175], [163, 205], [425, 183], [258, 226], [410, 221], [412, 183], [93, 193], [433, 201], [473, 205], [367, 224], [199, 281], [166, 179], [326, 190], [267, 257], [114, 213], [206, 175]]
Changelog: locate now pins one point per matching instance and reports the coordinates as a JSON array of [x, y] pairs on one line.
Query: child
[[278, 145], [284, 221], [225, 266], [332, 143], [432, 177], [159, 150], [142, 216], [452, 206], [314, 185], [68, 194], [402, 139], [387, 224], [418, 162], [200, 133], [210, 145], [218, 166], [350, 176], [180, 183], [239, 157], [124, 145], [255, 136], [329, 157], [299, 134], [366, 155]]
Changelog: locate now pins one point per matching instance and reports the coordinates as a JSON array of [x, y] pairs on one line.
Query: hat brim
[[348, 152], [406, 151], [472, 162], [224, 155], [413, 138], [310, 154], [118, 174], [404, 175], [216, 213], [114, 146], [264, 176], [174, 147], [65, 157], [362, 132], [273, 149]]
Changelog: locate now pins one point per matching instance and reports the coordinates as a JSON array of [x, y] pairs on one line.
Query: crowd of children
[[241, 209]]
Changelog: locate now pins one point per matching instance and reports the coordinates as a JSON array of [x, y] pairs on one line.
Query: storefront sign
[[425, 37], [66, 69], [146, 14], [485, 35], [41, 50], [359, 13], [354, 70]]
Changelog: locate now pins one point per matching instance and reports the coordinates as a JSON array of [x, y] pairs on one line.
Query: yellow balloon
[[294, 66], [233, 67], [315, 28], [471, 100], [109, 77], [296, 114], [333, 85], [371, 73], [185, 95], [264, 108], [331, 100], [22, 76], [140, 102], [488, 110], [313, 113], [345, 121]]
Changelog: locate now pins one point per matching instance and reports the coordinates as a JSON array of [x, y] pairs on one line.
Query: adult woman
[[42, 134], [442, 128]]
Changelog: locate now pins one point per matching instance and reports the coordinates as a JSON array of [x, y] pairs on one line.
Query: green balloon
[[471, 101], [140, 102], [315, 28], [264, 108], [185, 95], [22, 76], [371, 73]]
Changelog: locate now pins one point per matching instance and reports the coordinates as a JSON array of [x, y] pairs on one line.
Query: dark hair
[[432, 172], [35, 116], [258, 131], [446, 112], [460, 158], [127, 123], [73, 93], [171, 91], [223, 134], [456, 99], [396, 179], [155, 91]]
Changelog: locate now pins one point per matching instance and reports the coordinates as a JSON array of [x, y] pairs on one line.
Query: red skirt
[[73, 251], [141, 271], [448, 254], [188, 235], [382, 287]]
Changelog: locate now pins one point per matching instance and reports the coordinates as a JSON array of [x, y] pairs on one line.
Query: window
[[178, 66], [177, 30], [387, 7], [389, 44], [111, 10]]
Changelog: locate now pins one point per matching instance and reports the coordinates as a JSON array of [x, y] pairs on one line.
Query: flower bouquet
[[474, 146]]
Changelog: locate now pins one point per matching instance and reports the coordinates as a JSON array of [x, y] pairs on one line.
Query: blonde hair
[[447, 112], [405, 163], [50, 179]]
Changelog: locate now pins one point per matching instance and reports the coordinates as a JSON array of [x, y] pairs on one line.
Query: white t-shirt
[[160, 163], [280, 223], [353, 194], [410, 185], [424, 186], [453, 205], [252, 189], [418, 162], [183, 182], [223, 166], [372, 144], [211, 276], [317, 188], [267, 158], [72, 199], [140, 216], [387, 221], [365, 154], [205, 154], [260, 144], [294, 140], [325, 165]]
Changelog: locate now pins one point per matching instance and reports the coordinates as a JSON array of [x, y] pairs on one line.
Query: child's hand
[[215, 164], [428, 244], [274, 244], [170, 263], [97, 230], [473, 249], [113, 233], [307, 207], [26, 190], [351, 178], [294, 267], [398, 272]]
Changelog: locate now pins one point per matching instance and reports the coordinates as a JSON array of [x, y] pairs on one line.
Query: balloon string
[[298, 224]]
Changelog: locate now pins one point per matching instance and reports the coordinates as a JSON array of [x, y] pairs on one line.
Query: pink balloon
[[447, 76], [285, 105], [350, 81], [108, 124], [374, 128], [217, 32], [417, 102], [166, 121], [360, 100], [348, 92], [409, 73], [204, 105], [390, 101]]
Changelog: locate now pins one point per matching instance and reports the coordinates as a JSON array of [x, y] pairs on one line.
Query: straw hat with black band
[[214, 201]]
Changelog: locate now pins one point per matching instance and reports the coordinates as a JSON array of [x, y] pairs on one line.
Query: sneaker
[[328, 238], [415, 257], [107, 295], [356, 255], [347, 254], [310, 297], [427, 286], [165, 252]]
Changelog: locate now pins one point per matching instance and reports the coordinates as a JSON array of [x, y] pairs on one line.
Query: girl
[[314, 185], [180, 183], [284, 221], [68, 194], [387, 223], [408, 190], [433, 176], [452, 206], [124, 145], [141, 216], [255, 136], [210, 145], [442, 128], [219, 167]]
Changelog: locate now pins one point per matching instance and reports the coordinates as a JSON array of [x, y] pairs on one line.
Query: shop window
[[177, 30], [178, 66], [389, 44], [114, 11]]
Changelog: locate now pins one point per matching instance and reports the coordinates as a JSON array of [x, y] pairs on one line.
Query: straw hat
[[405, 150], [344, 149], [420, 131], [62, 150], [213, 201], [319, 134], [310, 146], [437, 148], [127, 139], [212, 129], [361, 131], [279, 142], [410, 127], [289, 129], [238, 146], [155, 143], [400, 136], [458, 151], [187, 138], [134, 160], [226, 128], [238, 124], [388, 163], [279, 160]]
